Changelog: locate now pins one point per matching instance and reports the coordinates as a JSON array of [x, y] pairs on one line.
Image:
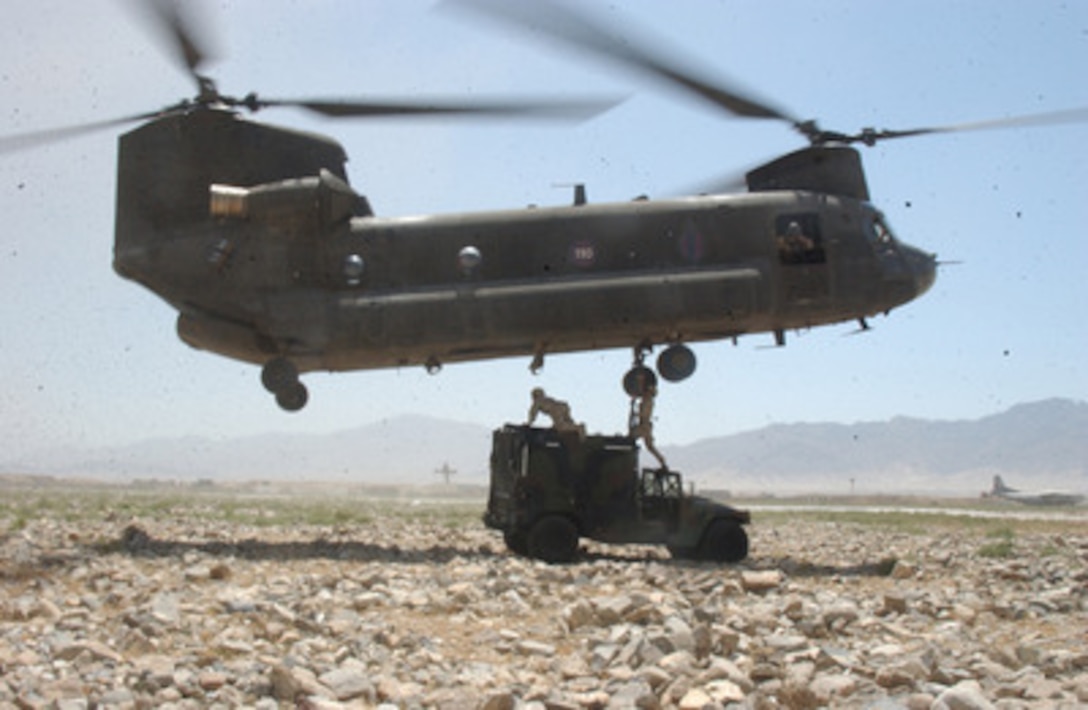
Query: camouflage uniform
[[641, 425], [558, 410]]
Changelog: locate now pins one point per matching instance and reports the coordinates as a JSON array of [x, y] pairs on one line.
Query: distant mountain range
[[1038, 445]]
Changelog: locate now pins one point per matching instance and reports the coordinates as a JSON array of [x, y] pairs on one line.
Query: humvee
[[550, 488]]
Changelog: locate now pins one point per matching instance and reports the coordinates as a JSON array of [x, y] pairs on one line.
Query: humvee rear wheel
[[553, 538], [516, 541], [724, 541]]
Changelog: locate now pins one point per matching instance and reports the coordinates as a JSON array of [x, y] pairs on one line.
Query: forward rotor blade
[[22, 141], [570, 110], [1076, 115], [189, 47], [564, 24]]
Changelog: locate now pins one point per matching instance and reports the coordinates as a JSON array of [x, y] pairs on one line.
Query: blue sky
[[89, 359]]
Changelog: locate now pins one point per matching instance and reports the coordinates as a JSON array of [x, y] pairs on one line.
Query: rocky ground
[[162, 608]]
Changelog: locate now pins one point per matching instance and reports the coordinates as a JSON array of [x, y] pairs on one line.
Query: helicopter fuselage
[[271, 255]]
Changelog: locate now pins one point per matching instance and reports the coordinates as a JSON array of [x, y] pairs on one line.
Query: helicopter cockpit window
[[880, 236], [798, 239], [880, 233], [886, 248]]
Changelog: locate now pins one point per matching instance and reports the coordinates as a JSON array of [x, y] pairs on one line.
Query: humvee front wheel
[[553, 538], [724, 541]]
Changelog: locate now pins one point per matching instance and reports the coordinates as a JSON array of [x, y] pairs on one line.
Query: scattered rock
[[761, 580], [401, 612], [966, 695]]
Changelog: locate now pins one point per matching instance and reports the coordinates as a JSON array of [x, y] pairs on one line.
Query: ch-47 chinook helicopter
[[254, 235]]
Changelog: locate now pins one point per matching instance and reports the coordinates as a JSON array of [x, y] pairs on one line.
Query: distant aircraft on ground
[[1000, 490]]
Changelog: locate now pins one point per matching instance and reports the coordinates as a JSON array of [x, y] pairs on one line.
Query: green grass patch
[[351, 505], [1001, 544], [997, 550], [24, 506], [922, 521]]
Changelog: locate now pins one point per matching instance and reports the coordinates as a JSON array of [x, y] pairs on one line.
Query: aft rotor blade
[[723, 184], [33, 139], [1076, 115], [571, 110], [563, 23]]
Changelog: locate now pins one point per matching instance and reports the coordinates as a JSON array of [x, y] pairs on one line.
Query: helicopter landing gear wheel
[[278, 374], [293, 398], [280, 377], [676, 362], [638, 380]]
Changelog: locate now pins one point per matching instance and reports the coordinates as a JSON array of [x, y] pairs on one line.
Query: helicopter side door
[[802, 260]]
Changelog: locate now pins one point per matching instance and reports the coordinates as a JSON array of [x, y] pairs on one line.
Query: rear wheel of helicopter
[[279, 374], [293, 397]]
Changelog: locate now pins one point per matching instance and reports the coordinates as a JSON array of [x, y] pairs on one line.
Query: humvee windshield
[[661, 484]]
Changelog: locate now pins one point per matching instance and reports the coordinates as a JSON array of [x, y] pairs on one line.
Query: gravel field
[[116, 599]]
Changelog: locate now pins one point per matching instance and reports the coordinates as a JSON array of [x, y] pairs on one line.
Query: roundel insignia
[[583, 254], [690, 242]]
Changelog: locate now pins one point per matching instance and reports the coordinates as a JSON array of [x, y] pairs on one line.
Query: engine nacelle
[[323, 199], [831, 170]]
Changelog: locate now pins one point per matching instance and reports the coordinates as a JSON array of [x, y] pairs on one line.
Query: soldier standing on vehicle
[[557, 409], [641, 424]]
